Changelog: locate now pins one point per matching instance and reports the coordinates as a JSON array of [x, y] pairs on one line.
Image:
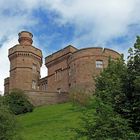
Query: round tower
[[25, 63], [86, 64]]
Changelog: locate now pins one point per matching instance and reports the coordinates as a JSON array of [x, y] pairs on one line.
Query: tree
[[110, 83], [107, 119], [103, 123], [132, 86], [116, 105], [8, 123]]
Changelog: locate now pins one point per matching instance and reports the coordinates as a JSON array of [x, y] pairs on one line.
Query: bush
[[79, 96], [18, 102], [8, 123], [101, 122]]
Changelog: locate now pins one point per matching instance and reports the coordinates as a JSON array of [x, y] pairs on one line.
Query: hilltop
[[51, 122]]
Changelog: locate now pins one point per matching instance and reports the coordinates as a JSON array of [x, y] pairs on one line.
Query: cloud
[[98, 20], [4, 62], [95, 22], [14, 18]]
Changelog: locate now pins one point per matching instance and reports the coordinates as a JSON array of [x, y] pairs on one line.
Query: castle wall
[[83, 68], [77, 68], [67, 68], [43, 84], [58, 76], [58, 69], [39, 98], [6, 85]]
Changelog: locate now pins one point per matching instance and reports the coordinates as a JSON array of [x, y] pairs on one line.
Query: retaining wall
[[39, 98]]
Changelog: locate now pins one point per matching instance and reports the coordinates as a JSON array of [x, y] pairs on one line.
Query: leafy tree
[[18, 102], [110, 83], [103, 123], [132, 87], [8, 123], [115, 109]]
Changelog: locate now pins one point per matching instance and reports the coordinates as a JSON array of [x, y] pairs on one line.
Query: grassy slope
[[50, 122]]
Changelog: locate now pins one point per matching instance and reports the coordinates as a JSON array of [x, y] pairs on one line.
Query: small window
[[34, 68], [69, 71], [33, 84], [58, 74], [99, 64]]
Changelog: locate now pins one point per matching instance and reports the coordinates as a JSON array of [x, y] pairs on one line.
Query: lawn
[[51, 122]]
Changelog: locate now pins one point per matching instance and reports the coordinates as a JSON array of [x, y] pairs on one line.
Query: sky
[[55, 24]]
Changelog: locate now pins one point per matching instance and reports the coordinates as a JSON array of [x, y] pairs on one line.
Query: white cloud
[[14, 18], [4, 62], [96, 22], [101, 20]]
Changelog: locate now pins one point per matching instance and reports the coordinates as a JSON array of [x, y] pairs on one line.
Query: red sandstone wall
[[39, 98], [62, 83], [83, 66], [59, 62]]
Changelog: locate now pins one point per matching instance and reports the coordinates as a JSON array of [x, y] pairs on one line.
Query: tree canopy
[[115, 109]]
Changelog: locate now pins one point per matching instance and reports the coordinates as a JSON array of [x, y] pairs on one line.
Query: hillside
[[51, 122]]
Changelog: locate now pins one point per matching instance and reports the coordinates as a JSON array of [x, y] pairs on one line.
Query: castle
[[67, 68]]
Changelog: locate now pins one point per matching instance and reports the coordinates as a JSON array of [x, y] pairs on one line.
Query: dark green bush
[[8, 123], [18, 102]]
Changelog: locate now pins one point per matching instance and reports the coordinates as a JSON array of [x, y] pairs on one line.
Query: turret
[[25, 63], [25, 38]]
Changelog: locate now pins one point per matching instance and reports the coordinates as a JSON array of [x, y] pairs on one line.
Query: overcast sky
[[56, 23]]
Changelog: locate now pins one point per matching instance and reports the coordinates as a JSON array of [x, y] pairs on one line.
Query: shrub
[[79, 96], [8, 123], [18, 102], [101, 122]]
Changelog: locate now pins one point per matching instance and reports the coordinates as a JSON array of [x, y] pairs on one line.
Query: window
[[58, 74], [69, 71], [33, 84], [34, 68], [99, 64]]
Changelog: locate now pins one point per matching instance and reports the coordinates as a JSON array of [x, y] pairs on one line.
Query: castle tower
[[25, 63]]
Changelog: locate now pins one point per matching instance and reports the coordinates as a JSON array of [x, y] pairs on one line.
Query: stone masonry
[[67, 68]]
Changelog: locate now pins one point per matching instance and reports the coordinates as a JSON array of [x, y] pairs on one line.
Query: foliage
[[8, 123], [109, 84], [132, 87], [116, 113], [18, 102], [102, 123], [79, 96]]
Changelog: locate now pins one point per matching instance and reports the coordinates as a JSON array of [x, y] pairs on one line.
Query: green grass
[[51, 122]]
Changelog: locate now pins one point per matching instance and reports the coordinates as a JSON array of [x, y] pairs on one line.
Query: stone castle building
[[67, 68]]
